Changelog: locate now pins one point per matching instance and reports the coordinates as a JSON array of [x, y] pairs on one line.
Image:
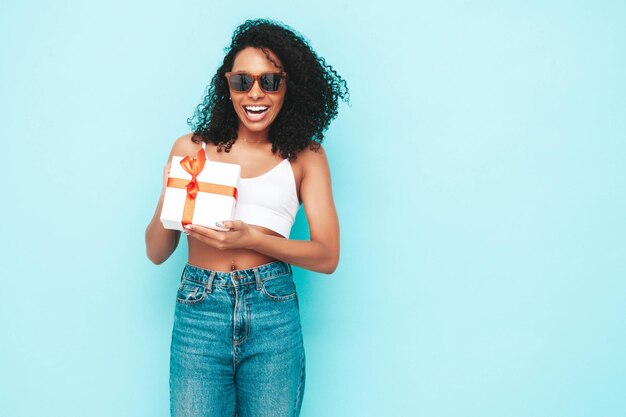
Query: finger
[[226, 223], [206, 240], [223, 225], [197, 230], [232, 224], [206, 235]]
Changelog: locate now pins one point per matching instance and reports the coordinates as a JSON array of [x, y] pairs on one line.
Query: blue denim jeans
[[237, 345]]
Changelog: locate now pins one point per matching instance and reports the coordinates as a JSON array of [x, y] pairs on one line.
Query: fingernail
[[219, 224]]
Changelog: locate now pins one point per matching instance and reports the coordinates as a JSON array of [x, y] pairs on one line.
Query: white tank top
[[269, 200]]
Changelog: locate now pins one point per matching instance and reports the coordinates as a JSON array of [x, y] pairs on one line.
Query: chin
[[256, 127]]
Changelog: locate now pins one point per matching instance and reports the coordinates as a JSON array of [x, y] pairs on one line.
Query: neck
[[249, 136]]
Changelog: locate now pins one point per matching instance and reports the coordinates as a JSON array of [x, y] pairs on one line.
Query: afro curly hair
[[311, 100]]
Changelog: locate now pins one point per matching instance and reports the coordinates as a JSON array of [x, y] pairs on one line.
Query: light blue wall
[[479, 177]]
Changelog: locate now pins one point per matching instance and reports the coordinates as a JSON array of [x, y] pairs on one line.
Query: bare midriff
[[208, 257]]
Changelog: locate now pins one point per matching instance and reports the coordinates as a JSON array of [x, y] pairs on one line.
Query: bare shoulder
[[184, 146], [313, 157]]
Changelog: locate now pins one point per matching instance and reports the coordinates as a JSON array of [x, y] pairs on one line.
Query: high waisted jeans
[[237, 345]]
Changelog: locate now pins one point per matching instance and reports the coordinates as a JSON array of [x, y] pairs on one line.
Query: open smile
[[256, 113]]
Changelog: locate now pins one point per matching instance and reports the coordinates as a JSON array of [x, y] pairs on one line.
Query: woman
[[237, 342]]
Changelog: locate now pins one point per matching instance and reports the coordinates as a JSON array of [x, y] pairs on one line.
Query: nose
[[255, 90]]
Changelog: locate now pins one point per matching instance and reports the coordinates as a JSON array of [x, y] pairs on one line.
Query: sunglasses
[[270, 82]]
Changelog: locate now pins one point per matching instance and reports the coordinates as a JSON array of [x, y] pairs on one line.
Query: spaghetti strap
[[204, 149]]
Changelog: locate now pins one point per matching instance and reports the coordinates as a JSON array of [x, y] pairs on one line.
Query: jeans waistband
[[237, 277]]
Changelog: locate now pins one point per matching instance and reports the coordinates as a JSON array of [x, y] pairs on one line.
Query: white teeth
[[256, 108]]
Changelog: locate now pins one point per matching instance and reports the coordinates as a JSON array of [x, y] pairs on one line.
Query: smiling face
[[256, 109]]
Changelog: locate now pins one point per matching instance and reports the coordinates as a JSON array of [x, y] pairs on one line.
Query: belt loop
[[290, 270], [209, 285], [257, 278]]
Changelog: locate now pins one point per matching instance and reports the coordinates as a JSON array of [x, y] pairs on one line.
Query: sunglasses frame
[[255, 78]]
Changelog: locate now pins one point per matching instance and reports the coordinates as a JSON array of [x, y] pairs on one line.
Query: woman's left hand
[[240, 235]]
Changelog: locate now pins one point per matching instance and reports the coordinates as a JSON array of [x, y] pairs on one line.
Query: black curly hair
[[311, 100]]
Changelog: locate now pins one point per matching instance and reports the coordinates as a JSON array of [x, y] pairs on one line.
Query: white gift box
[[210, 207]]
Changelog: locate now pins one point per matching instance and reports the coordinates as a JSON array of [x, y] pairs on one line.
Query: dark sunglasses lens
[[271, 82], [240, 82]]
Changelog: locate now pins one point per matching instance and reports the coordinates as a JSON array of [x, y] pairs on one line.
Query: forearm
[[160, 242], [306, 254]]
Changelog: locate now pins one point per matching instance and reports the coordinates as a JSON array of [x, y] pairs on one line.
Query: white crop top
[[269, 200]]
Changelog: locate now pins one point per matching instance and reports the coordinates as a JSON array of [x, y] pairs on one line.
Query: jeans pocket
[[191, 292], [280, 288]]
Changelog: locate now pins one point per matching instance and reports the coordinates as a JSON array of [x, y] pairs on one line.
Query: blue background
[[479, 176]]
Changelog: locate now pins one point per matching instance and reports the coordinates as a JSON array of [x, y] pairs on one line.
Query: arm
[[161, 242], [320, 253], [311, 255]]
